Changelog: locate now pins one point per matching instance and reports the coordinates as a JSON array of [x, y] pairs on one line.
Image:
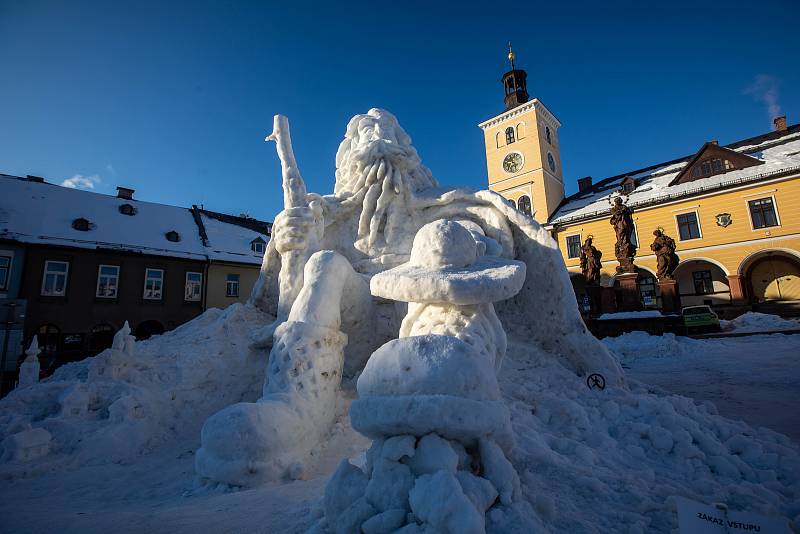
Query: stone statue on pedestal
[[664, 248], [624, 249], [590, 262]]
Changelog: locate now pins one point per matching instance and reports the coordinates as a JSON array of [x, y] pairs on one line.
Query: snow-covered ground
[[755, 378], [759, 322], [589, 460]]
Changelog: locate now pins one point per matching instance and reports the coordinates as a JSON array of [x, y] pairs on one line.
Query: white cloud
[[765, 89], [80, 181]]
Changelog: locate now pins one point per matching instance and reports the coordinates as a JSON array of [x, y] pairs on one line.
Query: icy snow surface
[[589, 461], [759, 322]]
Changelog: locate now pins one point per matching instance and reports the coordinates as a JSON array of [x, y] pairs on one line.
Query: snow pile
[[643, 314], [613, 460], [759, 322], [639, 345], [131, 399]]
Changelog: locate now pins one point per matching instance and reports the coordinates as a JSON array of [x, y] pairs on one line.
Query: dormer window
[[81, 224], [628, 185], [173, 236], [712, 160], [258, 245], [127, 209]]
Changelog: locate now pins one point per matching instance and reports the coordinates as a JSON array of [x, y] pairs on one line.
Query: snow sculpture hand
[[294, 227]]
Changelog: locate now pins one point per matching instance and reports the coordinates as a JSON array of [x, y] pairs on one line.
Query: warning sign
[[699, 518]]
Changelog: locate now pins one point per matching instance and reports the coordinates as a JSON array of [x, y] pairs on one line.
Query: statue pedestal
[[629, 285], [670, 296], [608, 300], [595, 294]]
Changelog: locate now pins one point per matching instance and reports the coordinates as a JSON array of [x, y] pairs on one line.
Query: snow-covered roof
[[780, 155], [39, 212]]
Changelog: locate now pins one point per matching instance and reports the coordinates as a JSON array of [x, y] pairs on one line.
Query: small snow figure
[[430, 399], [29, 370], [124, 341]]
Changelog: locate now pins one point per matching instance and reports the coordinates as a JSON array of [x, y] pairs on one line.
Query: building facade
[[733, 211], [75, 265]]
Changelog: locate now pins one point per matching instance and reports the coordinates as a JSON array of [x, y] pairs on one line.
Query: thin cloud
[[764, 89], [80, 181]]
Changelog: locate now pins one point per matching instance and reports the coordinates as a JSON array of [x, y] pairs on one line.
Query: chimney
[[714, 142], [584, 183], [125, 192], [779, 123], [37, 179]]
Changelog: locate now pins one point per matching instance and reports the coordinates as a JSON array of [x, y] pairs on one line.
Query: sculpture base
[[595, 294], [629, 286], [670, 296], [608, 300]]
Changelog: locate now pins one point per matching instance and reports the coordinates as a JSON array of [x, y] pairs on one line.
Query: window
[[153, 284], [5, 269], [107, 281], [521, 130], [762, 213], [194, 287], [127, 209], [509, 135], [573, 246], [258, 245], [628, 185], [54, 283], [647, 289], [687, 226], [101, 337], [173, 236], [232, 285], [81, 224], [524, 204], [551, 162], [499, 139], [547, 135], [48, 336], [702, 282]]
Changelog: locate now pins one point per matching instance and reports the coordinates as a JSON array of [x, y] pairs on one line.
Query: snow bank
[[639, 345], [113, 407], [759, 322], [613, 460]]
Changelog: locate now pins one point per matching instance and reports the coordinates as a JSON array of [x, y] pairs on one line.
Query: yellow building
[[734, 210]]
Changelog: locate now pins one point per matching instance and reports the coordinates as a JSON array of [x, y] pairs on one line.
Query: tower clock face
[[512, 162]]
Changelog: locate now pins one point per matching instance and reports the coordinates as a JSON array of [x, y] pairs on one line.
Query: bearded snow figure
[[382, 196]]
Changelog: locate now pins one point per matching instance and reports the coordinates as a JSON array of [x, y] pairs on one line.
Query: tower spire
[[511, 55], [514, 90]]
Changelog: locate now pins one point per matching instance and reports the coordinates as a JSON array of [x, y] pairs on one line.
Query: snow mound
[[640, 345], [614, 459], [759, 322], [113, 407]]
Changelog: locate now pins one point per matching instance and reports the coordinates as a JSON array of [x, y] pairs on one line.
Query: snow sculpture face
[[369, 139]]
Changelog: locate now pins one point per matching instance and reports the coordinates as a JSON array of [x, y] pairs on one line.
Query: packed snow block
[[499, 471], [353, 517], [345, 487], [26, 445], [384, 522], [397, 447], [389, 485], [433, 454], [478, 490], [439, 501]]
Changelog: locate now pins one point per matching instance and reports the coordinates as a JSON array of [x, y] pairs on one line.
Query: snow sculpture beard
[[376, 164]]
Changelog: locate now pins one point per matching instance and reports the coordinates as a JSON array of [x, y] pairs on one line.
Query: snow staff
[[383, 195]]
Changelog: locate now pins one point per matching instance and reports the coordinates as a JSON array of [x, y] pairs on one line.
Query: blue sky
[[174, 99]]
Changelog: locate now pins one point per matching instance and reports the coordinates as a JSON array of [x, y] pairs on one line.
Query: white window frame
[[254, 243], [231, 283], [678, 226], [47, 271], [186, 296], [10, 256], [566, 245], [749, 199], [101, 275], [146, 278]]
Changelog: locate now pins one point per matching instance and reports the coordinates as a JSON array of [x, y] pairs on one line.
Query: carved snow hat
[[447, 265]]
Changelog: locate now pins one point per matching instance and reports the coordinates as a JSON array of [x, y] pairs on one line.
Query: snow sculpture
[[29, 370], [430, 399], [123, 341], [382, 196]]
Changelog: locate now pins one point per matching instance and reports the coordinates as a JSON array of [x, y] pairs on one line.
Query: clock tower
[[522, 150]]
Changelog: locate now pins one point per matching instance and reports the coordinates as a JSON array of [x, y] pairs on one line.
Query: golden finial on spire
[[511, 55]]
